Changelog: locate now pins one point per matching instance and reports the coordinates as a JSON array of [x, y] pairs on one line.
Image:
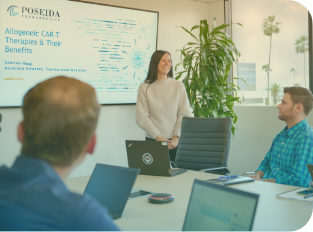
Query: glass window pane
[[273, 43]]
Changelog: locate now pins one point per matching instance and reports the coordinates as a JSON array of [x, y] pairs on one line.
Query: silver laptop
[[214, 207], [111, 187], [151, 157]]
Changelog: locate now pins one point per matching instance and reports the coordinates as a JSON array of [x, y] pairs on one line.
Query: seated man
[[292, 148], [60, 118]]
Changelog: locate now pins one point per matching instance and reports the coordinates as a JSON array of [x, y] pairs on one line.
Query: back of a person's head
[[60, 117], [301, 95]]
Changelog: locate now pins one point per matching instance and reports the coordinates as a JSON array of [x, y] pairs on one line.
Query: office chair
[[204, 145]]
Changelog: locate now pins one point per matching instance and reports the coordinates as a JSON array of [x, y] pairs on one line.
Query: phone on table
[[306, 192]]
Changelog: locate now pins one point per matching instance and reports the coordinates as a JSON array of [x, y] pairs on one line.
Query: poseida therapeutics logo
[[13, 10], [34, 13]]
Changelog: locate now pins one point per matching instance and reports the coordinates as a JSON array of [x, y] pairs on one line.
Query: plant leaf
[[194, 27], [190, 33], [207, 63]]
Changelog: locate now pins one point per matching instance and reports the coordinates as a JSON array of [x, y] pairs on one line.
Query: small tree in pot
[[206, 63]]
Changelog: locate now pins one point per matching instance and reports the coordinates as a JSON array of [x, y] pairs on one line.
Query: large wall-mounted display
[[108, 47]]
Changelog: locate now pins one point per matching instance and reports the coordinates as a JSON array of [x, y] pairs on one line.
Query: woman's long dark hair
[[153, 66]]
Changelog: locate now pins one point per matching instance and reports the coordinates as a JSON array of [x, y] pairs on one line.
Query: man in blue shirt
[[59, 120], [292, 148]]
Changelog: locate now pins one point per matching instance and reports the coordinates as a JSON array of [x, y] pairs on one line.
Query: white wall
[[9, 146], [216, 9], [257, 127]]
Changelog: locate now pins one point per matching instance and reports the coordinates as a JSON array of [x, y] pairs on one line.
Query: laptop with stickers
[[152, 157]]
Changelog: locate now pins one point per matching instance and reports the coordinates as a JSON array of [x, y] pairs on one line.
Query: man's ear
[[20, 132], [92, 144], [298, 107]]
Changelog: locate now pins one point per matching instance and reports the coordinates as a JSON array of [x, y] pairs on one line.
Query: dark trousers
[[172, 152]]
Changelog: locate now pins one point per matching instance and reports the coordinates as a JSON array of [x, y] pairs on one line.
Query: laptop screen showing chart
[[217, 208]]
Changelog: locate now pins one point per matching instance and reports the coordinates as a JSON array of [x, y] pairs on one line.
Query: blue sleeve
[[89, 215], [265, 165], [298, 174]]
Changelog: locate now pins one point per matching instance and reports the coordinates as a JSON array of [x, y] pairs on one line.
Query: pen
[[310, 195]]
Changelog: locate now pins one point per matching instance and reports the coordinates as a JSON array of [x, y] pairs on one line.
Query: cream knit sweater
[[161, 107]]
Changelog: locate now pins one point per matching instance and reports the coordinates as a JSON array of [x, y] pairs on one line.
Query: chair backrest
[[204, 143]]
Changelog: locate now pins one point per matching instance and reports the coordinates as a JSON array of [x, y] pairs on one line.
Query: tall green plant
[[275, 90], [302, 47], [270, 28], [207, 62], [294, 74], [267, 70]]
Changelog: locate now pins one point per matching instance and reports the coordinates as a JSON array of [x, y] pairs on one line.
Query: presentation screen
[[108, 47]]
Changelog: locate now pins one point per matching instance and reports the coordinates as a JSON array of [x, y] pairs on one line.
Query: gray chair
[[204, 145]]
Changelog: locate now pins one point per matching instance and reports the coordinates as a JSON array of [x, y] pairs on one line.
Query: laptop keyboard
[[175, 172]]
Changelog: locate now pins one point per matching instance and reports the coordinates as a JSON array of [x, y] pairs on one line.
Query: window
[[247, 72], [274, 47]]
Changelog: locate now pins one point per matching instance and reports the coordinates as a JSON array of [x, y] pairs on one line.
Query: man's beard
[[287, 116]]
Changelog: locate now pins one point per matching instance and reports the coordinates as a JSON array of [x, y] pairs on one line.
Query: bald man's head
[[60, 117]]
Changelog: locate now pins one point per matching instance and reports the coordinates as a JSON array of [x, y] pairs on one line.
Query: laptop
[[214, 207], [151, 157], [111, 186]]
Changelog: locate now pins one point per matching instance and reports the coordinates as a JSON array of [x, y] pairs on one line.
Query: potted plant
[[207, 62]]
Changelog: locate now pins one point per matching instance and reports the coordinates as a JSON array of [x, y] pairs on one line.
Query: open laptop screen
[[111, 186], [217, 208]]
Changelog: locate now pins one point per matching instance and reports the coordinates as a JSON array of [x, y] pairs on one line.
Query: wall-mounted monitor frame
[[106, 46]]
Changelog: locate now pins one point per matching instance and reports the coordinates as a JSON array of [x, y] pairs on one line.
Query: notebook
[[111, 186], [214, 207], [151, 157]]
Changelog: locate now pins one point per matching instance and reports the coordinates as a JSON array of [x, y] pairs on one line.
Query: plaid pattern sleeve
[[290, 152], [265, 164]]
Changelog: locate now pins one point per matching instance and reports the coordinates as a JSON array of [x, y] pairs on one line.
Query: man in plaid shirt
[[292, 148]]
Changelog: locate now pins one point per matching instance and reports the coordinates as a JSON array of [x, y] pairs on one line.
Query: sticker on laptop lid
[[147, 158], [164, 143]]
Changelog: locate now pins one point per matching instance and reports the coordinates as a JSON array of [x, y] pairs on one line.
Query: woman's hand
[[161, 138], [173, 143]]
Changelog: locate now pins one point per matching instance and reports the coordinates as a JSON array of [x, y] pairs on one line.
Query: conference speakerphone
[[161, 198]]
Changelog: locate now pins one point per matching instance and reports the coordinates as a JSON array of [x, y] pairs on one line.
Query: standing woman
[[162, 102]]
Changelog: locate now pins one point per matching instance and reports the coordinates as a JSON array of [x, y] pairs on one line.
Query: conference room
[[257, 123]]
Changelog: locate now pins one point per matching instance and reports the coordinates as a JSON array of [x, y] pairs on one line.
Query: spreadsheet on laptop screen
[[214, 209]]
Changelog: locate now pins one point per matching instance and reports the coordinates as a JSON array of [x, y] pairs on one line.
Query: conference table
[[272, 214]]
